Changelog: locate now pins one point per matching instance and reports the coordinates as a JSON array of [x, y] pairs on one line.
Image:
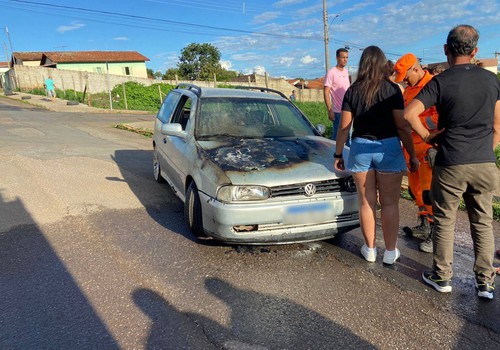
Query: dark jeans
[[475, 183], [336, 125]]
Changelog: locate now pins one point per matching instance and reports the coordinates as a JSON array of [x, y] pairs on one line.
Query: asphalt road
[[95, 255]]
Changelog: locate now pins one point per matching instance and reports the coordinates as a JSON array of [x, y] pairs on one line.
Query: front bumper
[[280, 221]]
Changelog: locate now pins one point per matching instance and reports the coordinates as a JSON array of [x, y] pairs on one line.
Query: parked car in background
[[250, 167]]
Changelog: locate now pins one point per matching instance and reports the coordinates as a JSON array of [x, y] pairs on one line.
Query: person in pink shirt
[[336, 84]]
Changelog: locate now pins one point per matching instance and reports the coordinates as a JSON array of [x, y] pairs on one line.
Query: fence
[[29, 77]]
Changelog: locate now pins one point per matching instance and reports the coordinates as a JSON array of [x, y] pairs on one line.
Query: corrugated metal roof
[[95, 56]]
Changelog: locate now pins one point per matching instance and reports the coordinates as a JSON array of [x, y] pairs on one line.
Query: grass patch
[[144, 132]]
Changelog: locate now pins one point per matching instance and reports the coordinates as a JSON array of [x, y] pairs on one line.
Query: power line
[[164, 21]]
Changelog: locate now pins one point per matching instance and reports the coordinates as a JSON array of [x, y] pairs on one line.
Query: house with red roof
[[130, 63]]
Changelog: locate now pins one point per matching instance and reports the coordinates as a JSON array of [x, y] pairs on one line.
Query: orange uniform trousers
[[420, 180]]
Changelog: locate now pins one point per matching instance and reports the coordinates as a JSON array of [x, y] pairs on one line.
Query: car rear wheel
[[157, 168], [192, 211]]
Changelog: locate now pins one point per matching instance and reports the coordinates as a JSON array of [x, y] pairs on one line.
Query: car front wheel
[[192, 211], [157, 168]]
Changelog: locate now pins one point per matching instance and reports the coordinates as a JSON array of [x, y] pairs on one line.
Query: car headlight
[[242, 193]]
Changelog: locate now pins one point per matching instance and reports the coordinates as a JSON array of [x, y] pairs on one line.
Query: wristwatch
[[337, 156]]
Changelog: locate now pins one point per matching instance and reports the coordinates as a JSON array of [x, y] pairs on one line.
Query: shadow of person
[[170, 328], [42, 306], [274, 322]]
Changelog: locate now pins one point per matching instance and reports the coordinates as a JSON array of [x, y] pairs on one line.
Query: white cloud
[[257, 70], [167, 59], [121, 38], [307, 59], [286, 61], [226, 64], [68, 28], [250, 56], [265, 17], [283, 3]]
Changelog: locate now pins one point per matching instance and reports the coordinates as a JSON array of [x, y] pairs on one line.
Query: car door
[[175, 147], [164, 117]]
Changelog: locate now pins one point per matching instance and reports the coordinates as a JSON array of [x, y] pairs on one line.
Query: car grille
[[327, 186]]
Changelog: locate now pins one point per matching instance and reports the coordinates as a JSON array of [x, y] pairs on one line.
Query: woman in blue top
[[374, 107]]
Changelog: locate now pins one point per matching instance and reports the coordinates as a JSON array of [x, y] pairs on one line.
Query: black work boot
[[423, 229]]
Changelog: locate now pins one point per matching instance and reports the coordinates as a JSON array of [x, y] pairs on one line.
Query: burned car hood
[[273, 161]]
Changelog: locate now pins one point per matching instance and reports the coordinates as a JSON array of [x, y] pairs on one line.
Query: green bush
[[317, 114], [139, 97]]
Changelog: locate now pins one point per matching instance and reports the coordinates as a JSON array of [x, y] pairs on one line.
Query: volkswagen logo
[[310, 190]]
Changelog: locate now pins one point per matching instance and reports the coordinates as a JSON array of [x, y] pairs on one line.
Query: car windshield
[[250, 118]]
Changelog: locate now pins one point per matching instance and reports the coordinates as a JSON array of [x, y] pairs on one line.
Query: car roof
[[238, 93]]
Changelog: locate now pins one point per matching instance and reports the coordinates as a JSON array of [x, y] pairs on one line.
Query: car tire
[[157, 168], [192, 211]]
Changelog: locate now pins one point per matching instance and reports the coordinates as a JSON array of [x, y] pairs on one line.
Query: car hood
[[273, 162]]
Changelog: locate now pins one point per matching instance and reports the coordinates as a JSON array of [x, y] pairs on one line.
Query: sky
[[282, 37]]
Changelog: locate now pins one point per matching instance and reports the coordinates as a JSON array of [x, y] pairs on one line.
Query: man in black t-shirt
[[467, 98]]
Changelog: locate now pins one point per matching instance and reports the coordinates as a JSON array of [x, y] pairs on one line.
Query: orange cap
[[403, 64]]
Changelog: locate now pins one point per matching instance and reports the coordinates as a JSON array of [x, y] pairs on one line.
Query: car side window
[[183, 111], [168, 106]]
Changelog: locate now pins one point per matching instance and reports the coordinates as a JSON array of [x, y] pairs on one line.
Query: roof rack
[[262, 89], [195, 88]]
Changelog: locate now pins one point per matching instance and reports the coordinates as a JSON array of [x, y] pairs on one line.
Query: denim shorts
[[384, 155]]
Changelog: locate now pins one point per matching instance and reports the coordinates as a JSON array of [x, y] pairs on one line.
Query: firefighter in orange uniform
[[409, 71]]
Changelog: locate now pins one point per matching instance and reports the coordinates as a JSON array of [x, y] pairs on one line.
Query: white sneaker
[[390, 256], [370, 254]]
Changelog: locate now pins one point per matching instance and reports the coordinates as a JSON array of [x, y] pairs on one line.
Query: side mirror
[[321, 129], [173, 129]]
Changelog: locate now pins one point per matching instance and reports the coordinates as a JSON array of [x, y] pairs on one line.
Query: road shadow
[[160, 202], [256, 321], [41, 305], [170, 328]]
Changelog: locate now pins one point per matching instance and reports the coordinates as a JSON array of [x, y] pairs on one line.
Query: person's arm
[[411, 113], [404, 132], [342, 134], [328, 102], [496, 125]]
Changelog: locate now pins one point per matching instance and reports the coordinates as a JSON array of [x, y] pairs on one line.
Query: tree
[[157, 75], [150, 73], [226, 75], [199, 61], [171, 73]]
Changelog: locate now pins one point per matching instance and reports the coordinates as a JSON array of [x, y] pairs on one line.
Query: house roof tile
[[28, 56], [83, 56], [95, 56]]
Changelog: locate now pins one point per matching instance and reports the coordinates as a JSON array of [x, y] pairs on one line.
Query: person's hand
[[331, 115], [413, 164], [432, 135], [338, 164]]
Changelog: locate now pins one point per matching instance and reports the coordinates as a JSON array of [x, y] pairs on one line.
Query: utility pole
[[10, 43], [325, 26]]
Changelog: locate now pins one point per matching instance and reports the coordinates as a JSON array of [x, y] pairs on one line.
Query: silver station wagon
[[250, 167]]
